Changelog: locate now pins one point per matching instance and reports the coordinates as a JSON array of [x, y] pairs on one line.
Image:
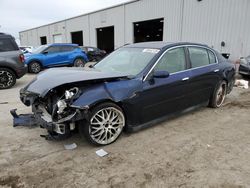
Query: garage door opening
[[57, 38], [77, 38], [43, 40], [150, 30], [106, 38]]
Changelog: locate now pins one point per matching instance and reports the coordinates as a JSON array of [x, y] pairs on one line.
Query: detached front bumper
[[30, 120], [42, 118]]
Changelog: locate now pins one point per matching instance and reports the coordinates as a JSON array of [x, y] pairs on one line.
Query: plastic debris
[[241, 83], [101, 153], [70, 146]]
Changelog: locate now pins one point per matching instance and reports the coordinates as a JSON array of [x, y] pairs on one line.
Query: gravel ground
[[205, 148]]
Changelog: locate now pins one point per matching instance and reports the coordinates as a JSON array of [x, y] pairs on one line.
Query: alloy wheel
[[221, 94], [6, 79], [35, 67], [79, 63], [106, 125]]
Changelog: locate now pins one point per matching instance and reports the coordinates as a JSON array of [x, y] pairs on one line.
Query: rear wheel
[[219, 95], [7, 78], [35, 67], [106, 123], [79, 62]]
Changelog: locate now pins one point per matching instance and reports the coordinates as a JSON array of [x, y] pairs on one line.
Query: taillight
[[21, 58]]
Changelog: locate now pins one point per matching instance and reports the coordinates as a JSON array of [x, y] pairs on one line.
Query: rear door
[[161, 96], [205, 73], [67, 54]]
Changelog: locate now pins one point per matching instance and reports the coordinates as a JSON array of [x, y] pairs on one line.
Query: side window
[[53, 49], [172, 61], [212, 58], [6, 45], [198, 56], [67, 48]]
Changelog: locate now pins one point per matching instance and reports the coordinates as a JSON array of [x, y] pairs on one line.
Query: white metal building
[[222, 24]]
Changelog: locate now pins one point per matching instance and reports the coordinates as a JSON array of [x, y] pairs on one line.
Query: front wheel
[[219, 95], [79, 62], [7, 78], [106, 123]]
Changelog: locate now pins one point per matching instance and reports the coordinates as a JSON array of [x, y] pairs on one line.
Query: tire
[[7, 78], [79, 62], [35, 67], [219, 95], [105, 125]]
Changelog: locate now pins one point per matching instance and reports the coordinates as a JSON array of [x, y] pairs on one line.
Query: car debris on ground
[[101, 153], [70, 146]]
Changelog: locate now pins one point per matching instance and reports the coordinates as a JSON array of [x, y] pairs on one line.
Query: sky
[[16, 15]]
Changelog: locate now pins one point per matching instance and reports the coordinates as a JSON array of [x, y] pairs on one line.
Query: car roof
[[88, 47], [62, 44], [160, 45], [4, 35]]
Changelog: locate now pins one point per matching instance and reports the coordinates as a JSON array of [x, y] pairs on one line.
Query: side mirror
[[160, 74], [45, 52]]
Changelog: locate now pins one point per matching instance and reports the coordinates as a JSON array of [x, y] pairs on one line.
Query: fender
[[34, 59], [108, 91]]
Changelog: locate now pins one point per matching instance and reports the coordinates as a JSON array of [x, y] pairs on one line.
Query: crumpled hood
[[54, 77]]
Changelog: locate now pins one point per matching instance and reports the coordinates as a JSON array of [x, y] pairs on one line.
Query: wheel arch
[[35, 60], [79, 57], [13, 70], [107, 100]]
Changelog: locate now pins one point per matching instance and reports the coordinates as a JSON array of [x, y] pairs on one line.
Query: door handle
[[216, 70], [186, 78]]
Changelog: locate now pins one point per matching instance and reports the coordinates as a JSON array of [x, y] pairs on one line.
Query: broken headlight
[[67, 99]]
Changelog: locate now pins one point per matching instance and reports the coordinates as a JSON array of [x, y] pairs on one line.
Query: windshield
[[39, 49], [127, 60]]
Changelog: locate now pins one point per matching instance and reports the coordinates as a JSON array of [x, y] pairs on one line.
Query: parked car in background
[[93, 53], [26, 49], [53, 55], [12, 65], [244, 68], [134, 87]]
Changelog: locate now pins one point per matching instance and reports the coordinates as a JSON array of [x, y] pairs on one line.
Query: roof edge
[[85, 14]]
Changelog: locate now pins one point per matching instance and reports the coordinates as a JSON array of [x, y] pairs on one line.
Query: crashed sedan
[[136, 86]]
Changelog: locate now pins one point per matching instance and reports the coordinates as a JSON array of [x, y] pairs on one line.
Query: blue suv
[[53, 55]]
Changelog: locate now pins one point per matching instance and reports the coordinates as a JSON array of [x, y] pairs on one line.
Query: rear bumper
[[20, 72]]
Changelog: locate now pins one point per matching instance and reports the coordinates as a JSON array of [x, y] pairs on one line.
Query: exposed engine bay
[[55, 111]]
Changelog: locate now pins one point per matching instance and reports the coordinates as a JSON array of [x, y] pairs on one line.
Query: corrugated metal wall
[[206, 21], [214, 21]]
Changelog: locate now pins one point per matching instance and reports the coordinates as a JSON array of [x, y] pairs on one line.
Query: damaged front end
[[54, 112]]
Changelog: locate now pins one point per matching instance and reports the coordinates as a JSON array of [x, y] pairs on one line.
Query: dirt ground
[[205, 148]]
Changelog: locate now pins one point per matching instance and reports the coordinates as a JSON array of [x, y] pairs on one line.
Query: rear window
[[212, 58], [198, 56], [7, 44]]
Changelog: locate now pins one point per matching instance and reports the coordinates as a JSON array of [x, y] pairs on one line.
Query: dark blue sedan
[[136, 86], [54, 55]]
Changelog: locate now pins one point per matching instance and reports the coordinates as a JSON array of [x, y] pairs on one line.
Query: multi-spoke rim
[[6, 79], [221, 93], [106, 125], [79, 63], [35, 67]]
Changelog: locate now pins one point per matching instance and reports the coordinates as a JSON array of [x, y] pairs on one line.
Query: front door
[[52, 56], [162, 96]]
